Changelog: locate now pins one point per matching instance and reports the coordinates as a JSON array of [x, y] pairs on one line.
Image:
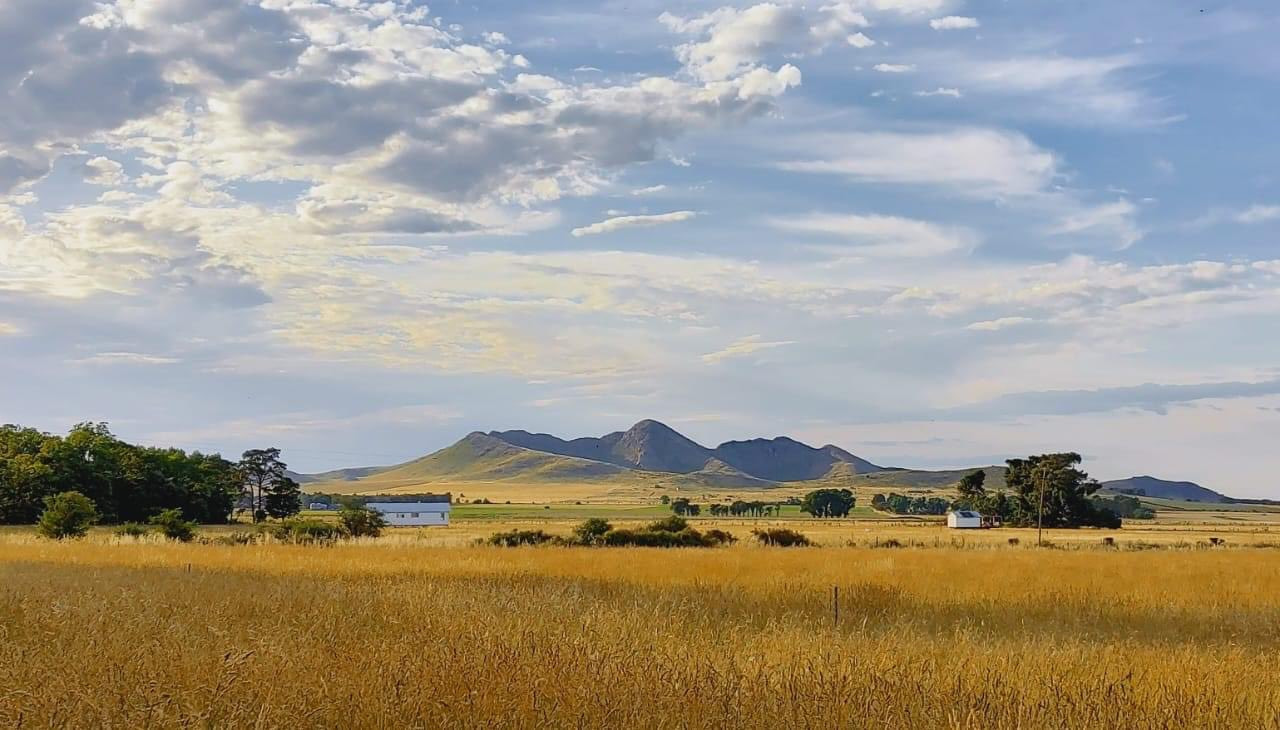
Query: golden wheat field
[[392, 633]]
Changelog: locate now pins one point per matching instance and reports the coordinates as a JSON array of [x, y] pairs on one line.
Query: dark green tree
[[361, 521], [262, 475], [591, 531], [67, 515], [1050, 490], [284, 498], [828, 503], [971, 486]]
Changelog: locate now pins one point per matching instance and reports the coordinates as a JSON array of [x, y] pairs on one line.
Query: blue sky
[[934, 232]]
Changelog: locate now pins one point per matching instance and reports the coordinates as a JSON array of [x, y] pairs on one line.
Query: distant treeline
[[131, 483]]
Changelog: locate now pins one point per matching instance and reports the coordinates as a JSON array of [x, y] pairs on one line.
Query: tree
[[1049, 491], [173, 526], [361, 521], [591, 531], [67, 514], [828, 503], [971, 486], [680, 506], [269, 490], [284, 498]]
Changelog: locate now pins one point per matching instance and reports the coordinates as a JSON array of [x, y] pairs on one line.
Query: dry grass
[[392, 633]]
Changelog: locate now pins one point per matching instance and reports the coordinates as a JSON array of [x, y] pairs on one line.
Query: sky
[[938, 233]]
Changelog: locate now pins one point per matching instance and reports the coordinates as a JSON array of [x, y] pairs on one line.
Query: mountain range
[[647, 449], [651, 452]]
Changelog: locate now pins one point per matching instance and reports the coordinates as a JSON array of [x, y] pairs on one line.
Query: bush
[[781, 537], [649, 537], [132, 529], [304, 532], [591, 531], [361, 522], [719, 537], [67, 515], [235, 538], [516, 538], [669, 524], [173, 527]]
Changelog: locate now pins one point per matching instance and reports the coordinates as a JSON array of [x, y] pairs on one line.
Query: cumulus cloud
[[882, 235], [618, 223], [736, 40], [748, 345], [103, 171], [953, 22]]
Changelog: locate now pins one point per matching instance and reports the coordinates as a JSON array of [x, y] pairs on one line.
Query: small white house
[[964, 520], [413, 514]]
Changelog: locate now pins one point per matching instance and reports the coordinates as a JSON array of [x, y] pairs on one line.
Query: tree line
[[127, 483]]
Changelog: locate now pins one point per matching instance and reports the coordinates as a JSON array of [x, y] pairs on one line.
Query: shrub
[[173, 527], [240, 537], [361, 522], [132, 529], [668, 524], [1108, 542], [649, 537], [719, 537], [1014, 542], [591, 531], [305, 531], [781, 537], [889, 543], [67, 515], [516, 538]]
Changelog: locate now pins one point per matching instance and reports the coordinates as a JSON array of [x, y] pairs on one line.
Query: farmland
[[419, 627]]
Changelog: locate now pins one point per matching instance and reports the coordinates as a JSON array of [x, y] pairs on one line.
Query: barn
[[964, 520], [418, 510]]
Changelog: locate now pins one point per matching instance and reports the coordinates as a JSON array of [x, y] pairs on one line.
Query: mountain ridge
[[647, 448]]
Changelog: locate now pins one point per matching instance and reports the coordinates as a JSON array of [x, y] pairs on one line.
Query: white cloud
[[971, 161], [953, 22], [940, 91], [894, 68], [8, 329], [103, 171], [744, 347], [882, 235], [992, 325], [1258, 214], [633, 221], [860, 40], [1114, 220], [650, 190], [127, 358], [735, 41], [1086, 91]]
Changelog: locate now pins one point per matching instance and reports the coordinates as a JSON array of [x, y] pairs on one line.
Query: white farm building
[[964, 520], [416, 511]]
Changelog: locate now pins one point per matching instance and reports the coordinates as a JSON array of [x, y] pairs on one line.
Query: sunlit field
[[397, 632]]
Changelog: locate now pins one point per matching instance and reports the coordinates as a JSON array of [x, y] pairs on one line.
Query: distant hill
[[783, 459], [349, 474], [1163, 489], [649, 451]]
